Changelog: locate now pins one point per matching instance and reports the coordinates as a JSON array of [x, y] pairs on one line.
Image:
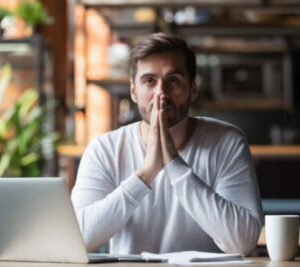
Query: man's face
[[163, 73]]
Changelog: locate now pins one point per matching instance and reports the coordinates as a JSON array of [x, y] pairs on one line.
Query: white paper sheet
[[197, 258]]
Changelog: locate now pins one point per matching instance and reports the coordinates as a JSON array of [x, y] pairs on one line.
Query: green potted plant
[[33, 13], [21, 134], [21, 21], [3, 13]]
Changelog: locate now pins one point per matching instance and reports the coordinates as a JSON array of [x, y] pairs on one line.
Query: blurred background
[[64, 79]]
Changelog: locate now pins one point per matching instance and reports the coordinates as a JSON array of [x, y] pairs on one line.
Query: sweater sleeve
[[230, 210], [101, 207]]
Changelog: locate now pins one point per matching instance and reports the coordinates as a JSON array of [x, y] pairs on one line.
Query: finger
[[163, 102], [168, 148], [163, 135], [154, 111], [155, 101], [164, 130], [158, 96], [154, 135]]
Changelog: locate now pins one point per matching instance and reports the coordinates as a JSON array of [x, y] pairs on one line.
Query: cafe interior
[[64, 79]]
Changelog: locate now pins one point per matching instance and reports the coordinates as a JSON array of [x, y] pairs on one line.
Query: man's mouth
[[169, 107]]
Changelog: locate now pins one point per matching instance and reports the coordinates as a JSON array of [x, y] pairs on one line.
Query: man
[[170, 182]]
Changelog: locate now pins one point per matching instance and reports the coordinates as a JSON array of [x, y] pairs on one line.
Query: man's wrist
[[170, 157], [145, 176]]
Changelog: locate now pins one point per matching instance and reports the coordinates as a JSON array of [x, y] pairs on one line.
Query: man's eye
[[174, 80], [149, 81]]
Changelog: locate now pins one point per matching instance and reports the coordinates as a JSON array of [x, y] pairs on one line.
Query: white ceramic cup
[[282, 235]]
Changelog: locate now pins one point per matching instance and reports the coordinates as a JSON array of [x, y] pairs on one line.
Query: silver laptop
[[38, 223]]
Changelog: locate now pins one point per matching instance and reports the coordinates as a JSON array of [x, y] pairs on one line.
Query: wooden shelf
[[242, 29], [74, 151], [244, 104], [121, 80], [284, 2], [257, 151], [132, 30], [32, 39], [179, 3], [275, 151], [133, 26], [173, 3], [245, 50], [118, 87], [216, 29]]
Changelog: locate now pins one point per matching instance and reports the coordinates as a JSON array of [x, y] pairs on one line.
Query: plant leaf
[[12, 145], [4, 80], [30, 158], [3, 129], [34, 114], [32, 12], [4, 163], [28, 136], [26, 101]]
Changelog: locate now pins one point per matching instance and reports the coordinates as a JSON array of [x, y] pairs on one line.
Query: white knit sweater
[[206, 199]]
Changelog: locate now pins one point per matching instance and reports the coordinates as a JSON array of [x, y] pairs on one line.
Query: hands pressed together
[[160, 146]]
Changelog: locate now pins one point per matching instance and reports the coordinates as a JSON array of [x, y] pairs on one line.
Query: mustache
[[169, 103]]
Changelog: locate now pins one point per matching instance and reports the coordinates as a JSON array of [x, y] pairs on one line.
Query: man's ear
[[194, 91], [132, 91]]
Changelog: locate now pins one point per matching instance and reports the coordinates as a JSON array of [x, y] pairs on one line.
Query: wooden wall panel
[[80, 58], [56, 37], [98, 40], [98, 111]]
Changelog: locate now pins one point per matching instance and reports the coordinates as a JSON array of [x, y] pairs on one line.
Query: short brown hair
[[163, 43]]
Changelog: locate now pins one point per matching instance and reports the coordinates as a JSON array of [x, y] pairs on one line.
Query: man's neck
[[179, 132]]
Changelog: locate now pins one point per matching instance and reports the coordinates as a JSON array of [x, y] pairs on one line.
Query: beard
[[179, 112]]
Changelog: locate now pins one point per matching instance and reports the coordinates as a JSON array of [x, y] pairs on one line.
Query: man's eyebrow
[[176, 72], [145, 75], [172, 72]]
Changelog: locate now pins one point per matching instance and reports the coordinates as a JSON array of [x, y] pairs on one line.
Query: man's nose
[[161, 88]]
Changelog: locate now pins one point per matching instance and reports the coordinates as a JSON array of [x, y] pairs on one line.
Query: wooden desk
[[257, 262]]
